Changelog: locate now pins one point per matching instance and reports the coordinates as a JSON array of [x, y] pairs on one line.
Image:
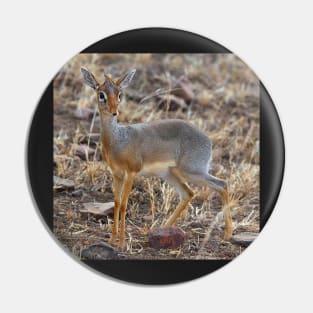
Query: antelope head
[[109, 93]]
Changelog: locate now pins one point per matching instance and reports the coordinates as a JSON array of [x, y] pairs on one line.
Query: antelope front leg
[[127, 188], [117, 189]]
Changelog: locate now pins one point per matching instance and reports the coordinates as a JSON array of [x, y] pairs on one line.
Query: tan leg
[[228, 231], [127, 188], [186, 195], [178, 211], [118, 184], [221, 187]]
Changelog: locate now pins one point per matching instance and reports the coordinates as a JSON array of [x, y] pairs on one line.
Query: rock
[[147, 218], [195, 224], [243, 239], [84, 113], [99, 251], [171, 103], [60, 184], [135, 95], [83, 152], [93, 139], [77, 193], [166, 237], [97, 208], [183, 89]]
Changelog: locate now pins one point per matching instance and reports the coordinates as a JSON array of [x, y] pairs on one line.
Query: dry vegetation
[[223, 101]]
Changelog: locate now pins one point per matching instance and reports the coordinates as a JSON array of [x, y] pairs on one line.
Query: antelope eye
[[119, 97], [102, 97]]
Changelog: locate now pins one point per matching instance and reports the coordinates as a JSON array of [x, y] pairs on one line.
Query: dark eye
[[119, 97], [102, 97]]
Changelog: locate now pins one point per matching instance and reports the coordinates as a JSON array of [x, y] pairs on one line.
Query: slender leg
[[127, 188], [186, 195], [228, 231], [118, 184], [221, 187]]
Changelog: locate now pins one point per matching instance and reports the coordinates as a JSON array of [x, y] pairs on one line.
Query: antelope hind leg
[[185, 193]]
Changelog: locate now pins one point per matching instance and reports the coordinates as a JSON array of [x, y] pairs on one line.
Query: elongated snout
[[113, 105]]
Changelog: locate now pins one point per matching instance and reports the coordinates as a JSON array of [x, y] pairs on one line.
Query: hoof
[[112, 241], [121, 245], [227, 235]]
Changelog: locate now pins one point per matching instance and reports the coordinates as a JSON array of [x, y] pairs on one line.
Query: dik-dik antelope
[[171, 149]]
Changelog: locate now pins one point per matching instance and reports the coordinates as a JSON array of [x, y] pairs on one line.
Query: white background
[[274, 38]]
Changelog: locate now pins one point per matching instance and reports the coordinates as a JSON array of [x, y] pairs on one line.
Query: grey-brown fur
[[171, 149]]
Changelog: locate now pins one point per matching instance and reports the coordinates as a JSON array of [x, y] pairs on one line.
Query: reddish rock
[[166, 237]]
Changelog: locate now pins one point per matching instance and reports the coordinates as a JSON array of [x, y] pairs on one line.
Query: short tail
[[217, 183]]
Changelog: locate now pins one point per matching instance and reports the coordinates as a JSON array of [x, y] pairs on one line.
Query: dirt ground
[[215, 92]]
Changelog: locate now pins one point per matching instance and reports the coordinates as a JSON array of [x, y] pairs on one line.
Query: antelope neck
[[109, 128]]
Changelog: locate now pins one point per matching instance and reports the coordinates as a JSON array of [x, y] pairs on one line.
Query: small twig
[[79, 232], [158, 92], [91, 126], [209, 232]]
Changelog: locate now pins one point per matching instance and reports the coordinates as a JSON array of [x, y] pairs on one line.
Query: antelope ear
[[125, 80], [89, 79]]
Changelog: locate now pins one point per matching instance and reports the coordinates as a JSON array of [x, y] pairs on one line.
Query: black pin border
[[40, 155]]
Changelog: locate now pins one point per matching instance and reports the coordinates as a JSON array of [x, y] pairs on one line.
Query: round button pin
[[155, 156]]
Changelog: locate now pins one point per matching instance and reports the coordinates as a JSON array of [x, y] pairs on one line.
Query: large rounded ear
[[125, 80], [89, 79]]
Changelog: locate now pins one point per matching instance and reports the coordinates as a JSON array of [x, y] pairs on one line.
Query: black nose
[[114, 114]]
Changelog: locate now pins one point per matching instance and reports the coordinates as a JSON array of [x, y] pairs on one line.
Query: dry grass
[[225, 107]]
